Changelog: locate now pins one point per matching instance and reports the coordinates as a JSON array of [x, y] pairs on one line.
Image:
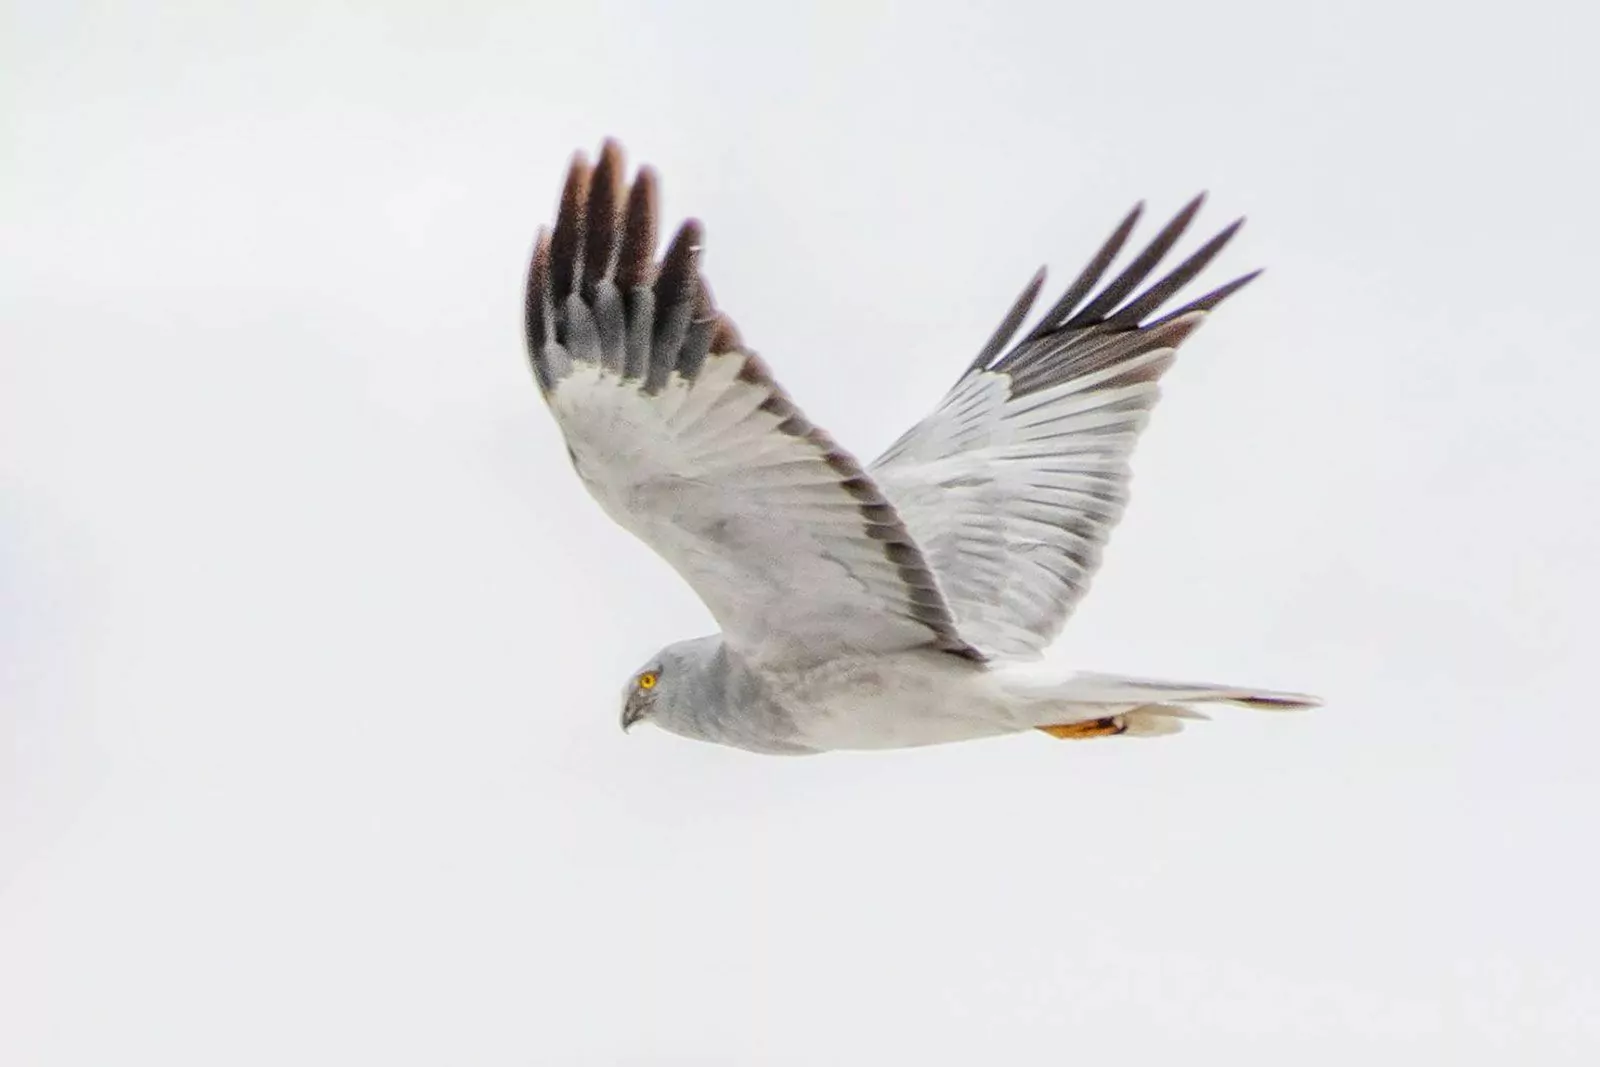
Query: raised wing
[[684, 438], [1014, 484]]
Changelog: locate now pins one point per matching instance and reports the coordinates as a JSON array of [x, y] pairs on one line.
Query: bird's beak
[[632, 712]]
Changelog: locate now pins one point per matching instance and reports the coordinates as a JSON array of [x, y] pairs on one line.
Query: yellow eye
[[647, 680]]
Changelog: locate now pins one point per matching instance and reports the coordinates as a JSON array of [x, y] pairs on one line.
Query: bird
[[893, 604]]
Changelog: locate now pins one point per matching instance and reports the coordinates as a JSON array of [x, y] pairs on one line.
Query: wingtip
[[1130, 221], [679, 271], [1186, 214], [1238, 283], [575, 188], [1010, 324], [693, 230], [1208, 303], [1035, 286], [567, 239], [637, 248], [538, 290], [687, 242]]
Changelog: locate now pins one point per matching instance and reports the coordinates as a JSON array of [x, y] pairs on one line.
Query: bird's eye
[[647, 680]]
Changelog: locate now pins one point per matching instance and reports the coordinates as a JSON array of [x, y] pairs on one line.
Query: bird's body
[[911, 698], [885, 605], [906, 700]]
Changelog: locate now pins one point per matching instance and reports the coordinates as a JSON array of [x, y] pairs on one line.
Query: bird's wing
[[1013, 484], [685, 439]]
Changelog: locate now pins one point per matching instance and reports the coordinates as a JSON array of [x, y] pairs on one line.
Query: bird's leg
[[1078, 731]]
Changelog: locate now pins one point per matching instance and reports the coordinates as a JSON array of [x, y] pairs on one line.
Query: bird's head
[[671, 686], [642, 692]]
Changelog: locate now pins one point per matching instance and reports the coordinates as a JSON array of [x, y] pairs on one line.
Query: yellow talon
[[1078, 731]]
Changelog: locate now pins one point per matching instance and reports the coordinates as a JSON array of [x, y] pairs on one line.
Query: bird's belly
[[919, 698]]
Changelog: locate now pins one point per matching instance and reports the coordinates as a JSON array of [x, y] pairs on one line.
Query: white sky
[[311, 642]]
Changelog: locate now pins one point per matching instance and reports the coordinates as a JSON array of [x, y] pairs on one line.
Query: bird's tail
[[1101, 705]]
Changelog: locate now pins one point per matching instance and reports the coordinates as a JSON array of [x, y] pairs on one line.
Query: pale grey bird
[[877, 606]]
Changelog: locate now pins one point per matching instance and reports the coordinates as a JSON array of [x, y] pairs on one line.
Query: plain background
[[312, 642]]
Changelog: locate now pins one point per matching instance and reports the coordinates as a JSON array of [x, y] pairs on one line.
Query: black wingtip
[[1012, 321], [636, 255], [1136, 272], [1111, 324], [1087, 278], [600, 216], [1213, 298], [538, 312], [1129, 221], [676, 281], [1157, 293], [537, 318], [566, 245]]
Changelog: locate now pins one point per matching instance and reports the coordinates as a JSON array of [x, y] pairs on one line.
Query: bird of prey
[[862, 606]]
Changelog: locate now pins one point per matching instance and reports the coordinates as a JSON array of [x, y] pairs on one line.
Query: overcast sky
[[311, 642]]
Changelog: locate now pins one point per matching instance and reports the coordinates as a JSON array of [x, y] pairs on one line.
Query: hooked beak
[[632, 712]]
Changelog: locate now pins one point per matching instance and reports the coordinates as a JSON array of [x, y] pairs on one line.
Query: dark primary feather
[[1075, 338], [600, 219], [568, 240], [596, 294], [1013, 319], [638, 232], [1136, 272]]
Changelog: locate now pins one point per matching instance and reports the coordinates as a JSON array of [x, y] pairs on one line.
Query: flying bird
[[862, 606]]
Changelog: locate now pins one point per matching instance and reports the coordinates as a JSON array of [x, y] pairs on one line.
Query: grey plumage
[[861, 606]]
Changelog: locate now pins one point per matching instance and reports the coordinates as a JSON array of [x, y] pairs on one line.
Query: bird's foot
[[1078, 731]]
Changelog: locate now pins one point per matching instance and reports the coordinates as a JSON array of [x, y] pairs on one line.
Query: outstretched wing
[[1013, 485], [684, 438]]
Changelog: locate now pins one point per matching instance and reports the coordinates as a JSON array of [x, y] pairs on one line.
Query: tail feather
[[1137, 707], [1116, 689]]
